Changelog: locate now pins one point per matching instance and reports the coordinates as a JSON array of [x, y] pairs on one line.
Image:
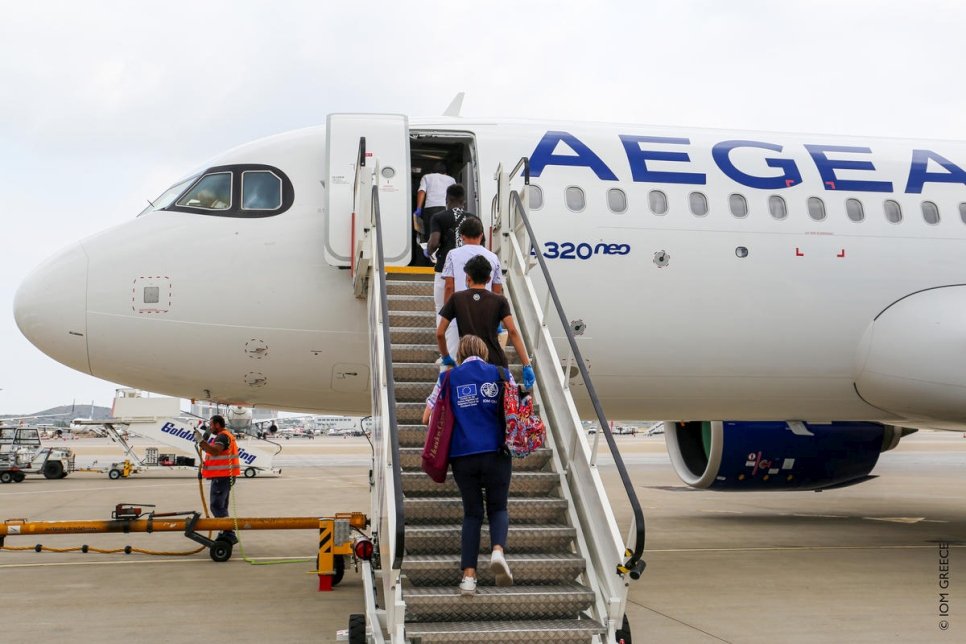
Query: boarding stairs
[[570, 565]]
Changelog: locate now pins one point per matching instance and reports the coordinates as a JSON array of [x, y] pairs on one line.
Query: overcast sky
[[105, 104]]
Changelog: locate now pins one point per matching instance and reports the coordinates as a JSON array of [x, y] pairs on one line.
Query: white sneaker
[[500, 569], [468, 586]]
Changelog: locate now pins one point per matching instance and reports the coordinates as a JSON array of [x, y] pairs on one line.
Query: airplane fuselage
[[720, 275]]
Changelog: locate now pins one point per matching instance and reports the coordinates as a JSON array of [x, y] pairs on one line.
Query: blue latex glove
[[418, 212], [449, 362], [426, 253], [528, 378], [499, 328]]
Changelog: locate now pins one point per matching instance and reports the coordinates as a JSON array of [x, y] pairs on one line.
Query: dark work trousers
[[474, 474], [427, 218], [218, 497]]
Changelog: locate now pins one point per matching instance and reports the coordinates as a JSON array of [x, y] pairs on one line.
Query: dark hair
[[478, 270], [472, 227], [439, 167], [218, 419], [456, 192]]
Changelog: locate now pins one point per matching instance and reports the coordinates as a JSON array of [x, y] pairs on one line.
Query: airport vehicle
[[157, 418], [808, 285], [21, 453]]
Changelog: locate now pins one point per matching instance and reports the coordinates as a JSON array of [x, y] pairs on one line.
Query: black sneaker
[[227, 536]]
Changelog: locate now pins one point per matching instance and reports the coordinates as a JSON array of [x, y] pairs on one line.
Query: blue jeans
[[218, 497], [474, 474]]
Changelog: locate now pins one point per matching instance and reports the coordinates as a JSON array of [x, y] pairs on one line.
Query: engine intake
[[758, 456]]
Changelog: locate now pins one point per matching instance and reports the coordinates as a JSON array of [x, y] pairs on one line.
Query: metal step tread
[[411, 457], [523, 538], [445, 603], [436, 510], [406, 373], [550, 630], [521, 484], [550, 569]]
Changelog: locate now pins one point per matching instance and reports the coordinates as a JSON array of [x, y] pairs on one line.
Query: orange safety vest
[[224, 464]]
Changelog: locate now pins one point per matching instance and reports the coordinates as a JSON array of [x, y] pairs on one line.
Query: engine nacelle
[[737, 456]]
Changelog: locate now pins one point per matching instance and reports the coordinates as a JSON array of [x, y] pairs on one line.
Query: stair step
[[413, 319], [436, 510], [445, 539], [527, 569], [410, 413], [426, 352], [409, 287], [411, 302], [411, 458], [438, 604], [415, 391], [529, 484], [412, 335], [429, 371], [562, 631]]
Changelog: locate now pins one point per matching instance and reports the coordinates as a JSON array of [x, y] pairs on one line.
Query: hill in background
[[63, 414]]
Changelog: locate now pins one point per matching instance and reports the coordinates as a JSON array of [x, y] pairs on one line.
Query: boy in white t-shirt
[[454, 277]]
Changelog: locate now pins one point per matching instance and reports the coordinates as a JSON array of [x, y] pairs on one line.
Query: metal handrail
[[376, 218], [635, 564], [390, 387]]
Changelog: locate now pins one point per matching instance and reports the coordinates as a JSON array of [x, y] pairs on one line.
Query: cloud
[[107, 103]]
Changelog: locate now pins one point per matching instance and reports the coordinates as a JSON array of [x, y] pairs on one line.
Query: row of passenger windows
[[657, 201]]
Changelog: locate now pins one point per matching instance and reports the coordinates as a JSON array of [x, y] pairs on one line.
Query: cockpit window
[[212, 192], [246, 190], [261, 190]]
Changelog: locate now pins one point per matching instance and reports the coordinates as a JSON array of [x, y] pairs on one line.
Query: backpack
[[525, 431]]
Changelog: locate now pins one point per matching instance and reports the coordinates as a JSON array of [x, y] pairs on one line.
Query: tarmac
[[858, 564]]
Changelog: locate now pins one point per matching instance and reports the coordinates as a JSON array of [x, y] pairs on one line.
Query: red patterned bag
[[436, 449], [525, 431]]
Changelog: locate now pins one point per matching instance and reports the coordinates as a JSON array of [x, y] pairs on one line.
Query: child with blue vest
[[478, 457]]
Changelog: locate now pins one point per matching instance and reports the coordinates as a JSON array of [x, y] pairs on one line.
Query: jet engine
[[737, 456]]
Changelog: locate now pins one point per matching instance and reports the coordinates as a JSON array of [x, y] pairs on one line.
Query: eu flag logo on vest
[[466, 391]]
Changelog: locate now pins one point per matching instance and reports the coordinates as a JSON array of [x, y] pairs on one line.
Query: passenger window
[[657, 201], [212, 192], [616, 200], [777, 208], [853, 208], [738, 205], [816, 208], [536, 197], [699, 203], [893, 212], [575, 198], [962, 212], [261, 190], [930, 212]]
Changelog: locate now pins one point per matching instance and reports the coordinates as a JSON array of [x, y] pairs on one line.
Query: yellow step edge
[[410, 270]]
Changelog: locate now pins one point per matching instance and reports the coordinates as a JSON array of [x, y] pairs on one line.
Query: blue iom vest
[[477, 409]]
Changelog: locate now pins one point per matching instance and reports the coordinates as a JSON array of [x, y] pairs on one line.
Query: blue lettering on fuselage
[[544, 155], [919, 174], [638, 156], [790, 176], [187, 434], [839, 166]]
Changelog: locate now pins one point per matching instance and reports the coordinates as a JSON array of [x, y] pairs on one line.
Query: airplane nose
[[50, 308]]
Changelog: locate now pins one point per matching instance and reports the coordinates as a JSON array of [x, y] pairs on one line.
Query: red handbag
[[436, 449]]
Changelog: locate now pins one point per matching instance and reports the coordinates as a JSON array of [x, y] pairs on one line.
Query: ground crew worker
[[221, 465]]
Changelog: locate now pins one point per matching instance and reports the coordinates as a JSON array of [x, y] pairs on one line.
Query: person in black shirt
[[444, 237], [478, 312]]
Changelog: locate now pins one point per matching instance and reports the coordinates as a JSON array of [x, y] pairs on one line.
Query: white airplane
[[721, 274]]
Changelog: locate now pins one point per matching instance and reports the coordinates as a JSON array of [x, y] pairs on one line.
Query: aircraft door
[[387, 141]]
